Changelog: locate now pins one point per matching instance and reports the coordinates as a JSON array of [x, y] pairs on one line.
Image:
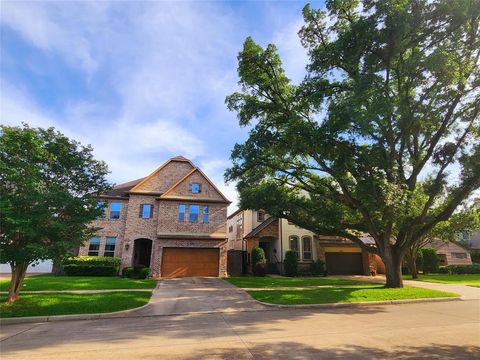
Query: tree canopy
[[49, 185], [381, 136]]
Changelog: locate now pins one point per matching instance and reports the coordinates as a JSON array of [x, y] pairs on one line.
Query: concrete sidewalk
[[465, 292]]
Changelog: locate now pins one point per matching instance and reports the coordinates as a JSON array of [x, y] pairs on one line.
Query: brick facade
[[164, 228]]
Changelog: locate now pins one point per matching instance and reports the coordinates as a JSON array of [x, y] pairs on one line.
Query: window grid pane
[[307, 248], [94, 246], [193, 213], [294, 246], [205, 214], [147, 211], [115, 210], [181, 212]]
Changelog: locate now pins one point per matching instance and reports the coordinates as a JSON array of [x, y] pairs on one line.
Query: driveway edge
[[361, 304]]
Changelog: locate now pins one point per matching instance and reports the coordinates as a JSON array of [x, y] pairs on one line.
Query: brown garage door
[[344, 263], [182, 262]]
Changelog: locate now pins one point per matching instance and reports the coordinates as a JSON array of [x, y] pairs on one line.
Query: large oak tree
[[382, 135], [49, 186]]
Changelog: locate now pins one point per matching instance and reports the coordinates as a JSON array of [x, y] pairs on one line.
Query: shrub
[[88, 270], [419, 260], [475, 255], [291, 263], [460, 269], [430, 260], [144, 273], [127, 272], [317, 268], [92, 261], [257, 255], [260, 268]]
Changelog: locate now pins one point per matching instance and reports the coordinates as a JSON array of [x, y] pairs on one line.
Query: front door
[[266, 249]]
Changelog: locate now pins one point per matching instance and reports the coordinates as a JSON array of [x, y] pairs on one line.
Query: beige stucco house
[[173, 221], [249, 228]]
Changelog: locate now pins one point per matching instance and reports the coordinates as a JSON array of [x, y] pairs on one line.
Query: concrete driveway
[[197, 295]]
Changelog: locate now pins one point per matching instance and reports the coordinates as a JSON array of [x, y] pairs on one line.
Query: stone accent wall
[[166, 177], [168, 219], [207, 190], [159, 244]]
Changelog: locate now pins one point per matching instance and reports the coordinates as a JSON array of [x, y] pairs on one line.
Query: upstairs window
[[181, 212], [307, 248], [110, 246], [94, 246], [196, 188], [260, 216], [205, 214], [102, 205], [293, 242], [146, 211], [193, 213], [115, 210]]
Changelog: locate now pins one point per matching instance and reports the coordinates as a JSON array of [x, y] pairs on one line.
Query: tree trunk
[[393, 268], [18, 274], [412, 263]]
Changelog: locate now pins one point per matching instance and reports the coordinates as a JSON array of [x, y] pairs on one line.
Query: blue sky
[[139, 81]]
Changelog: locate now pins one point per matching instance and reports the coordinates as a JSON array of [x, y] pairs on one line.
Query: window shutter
[[151, 211], [140, 212], [199, 188]]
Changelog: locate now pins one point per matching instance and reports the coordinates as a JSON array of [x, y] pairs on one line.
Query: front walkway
[[197, 295], [465, 292]]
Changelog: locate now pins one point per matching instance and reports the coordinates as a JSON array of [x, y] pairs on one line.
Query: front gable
[[183, 188], [164, 177]]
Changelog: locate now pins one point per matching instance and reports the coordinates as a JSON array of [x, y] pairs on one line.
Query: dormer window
[[260, 216], [196, 188]]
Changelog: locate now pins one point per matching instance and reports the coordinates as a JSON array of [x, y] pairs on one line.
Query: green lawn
[[56, 283], [270, 282], [63, 304], [343, 291], [472, 280]]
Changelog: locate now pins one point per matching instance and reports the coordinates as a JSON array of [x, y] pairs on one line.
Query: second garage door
[[182, 262], [339, 263]]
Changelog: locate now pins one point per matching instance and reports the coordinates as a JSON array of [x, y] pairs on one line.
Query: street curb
[[360, 304], [43, 319]]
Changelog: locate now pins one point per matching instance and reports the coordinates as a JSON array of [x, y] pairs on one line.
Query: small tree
[[430, 261], [258, 257], [49, 186], [291, 263]]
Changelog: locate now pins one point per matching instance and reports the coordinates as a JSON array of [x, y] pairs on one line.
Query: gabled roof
[[121, 190], [235, 213], [155, 172], [260, 227], [194, 170]]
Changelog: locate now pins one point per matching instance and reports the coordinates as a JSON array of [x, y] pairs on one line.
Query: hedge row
[[460, 269], [137, 272], [88, 270], [92, 261]]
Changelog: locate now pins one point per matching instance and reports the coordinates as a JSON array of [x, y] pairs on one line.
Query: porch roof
[[260, 227]]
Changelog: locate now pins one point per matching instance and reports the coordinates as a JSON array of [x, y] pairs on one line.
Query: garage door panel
[[182, 262], [344, 263]]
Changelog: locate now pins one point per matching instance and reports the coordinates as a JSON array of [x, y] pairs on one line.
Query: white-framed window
[[260, 216], [115, 210], [146, 211], [110, 246], [196, 188], [294, 245], [307, 248], [94, 246]]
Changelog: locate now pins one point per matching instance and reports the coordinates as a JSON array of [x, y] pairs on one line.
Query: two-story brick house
[[173, 221]]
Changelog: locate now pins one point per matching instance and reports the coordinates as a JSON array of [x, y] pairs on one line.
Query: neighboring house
[[247, 229], [172, 221], [472, 241], [451, 253]]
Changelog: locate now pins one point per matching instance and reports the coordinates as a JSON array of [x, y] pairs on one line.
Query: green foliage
[[90, 270], [290, 263], [475, 255], [257, 255], [342, 152], [49, 186], [317, 267], [92, 260], [260, 268], [419, 260], [431, 260], [138, 272], [460, 269]]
